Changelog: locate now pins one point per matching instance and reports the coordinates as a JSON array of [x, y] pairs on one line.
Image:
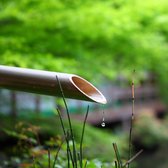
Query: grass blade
[[133, 158], [85, 164], [66, 136], [116, 165], [56, 155], [70, 125], [117, 155], [81, 142]]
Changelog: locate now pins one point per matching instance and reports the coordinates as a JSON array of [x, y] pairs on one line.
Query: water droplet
[[103, 124]]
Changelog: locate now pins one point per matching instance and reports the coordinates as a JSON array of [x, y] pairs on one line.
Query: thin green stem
[[116, 165], [117, 155], [70, 125], [133, 158], [81, 142], [66, 136], [131, 122], [79, 159], [56, 155], [68, 155], [85, 164], [49, 159]]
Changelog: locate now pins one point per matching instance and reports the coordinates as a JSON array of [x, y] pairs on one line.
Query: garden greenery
[[111, 37]]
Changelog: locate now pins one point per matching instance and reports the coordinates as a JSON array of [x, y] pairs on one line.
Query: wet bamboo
[[44, 82]]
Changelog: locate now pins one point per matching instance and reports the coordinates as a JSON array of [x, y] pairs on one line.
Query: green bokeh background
[[94, 39]]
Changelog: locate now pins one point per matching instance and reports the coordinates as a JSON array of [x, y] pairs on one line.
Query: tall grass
[[76, 157], [74, 154], [118, 162]]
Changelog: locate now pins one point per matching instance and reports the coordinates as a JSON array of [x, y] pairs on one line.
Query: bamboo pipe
[[45, 82]]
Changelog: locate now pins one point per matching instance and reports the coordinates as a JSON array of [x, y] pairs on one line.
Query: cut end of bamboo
[[44, 82], [88, 90]]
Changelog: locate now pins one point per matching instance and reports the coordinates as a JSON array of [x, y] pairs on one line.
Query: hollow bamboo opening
[[88, 89]]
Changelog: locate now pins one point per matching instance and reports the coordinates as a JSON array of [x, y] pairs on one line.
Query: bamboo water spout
[[45, 82]]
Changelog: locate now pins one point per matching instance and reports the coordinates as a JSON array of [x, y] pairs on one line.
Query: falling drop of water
[[103, 124]]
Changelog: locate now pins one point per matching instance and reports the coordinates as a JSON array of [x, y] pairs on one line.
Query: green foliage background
[[15, 130], [91, 38]]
